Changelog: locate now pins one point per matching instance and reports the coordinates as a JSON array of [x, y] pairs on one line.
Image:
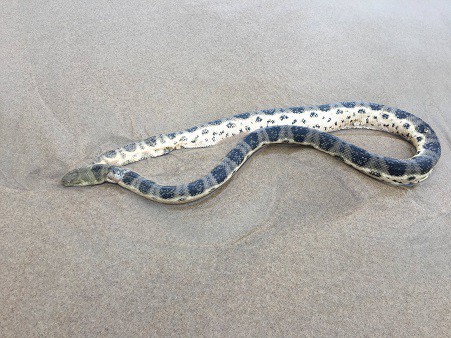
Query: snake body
[[297, 125]]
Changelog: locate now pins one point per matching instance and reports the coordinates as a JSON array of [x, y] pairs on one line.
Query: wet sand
[[296, 244]]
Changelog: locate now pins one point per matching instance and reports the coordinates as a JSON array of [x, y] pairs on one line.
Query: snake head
[[90, 175]]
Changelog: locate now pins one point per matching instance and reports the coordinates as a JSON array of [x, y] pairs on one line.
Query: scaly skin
[[302, 125]]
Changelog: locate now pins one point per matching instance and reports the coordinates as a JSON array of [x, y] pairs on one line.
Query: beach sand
[[297, 243]]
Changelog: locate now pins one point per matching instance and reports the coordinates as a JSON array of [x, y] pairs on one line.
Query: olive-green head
[[90, 175]]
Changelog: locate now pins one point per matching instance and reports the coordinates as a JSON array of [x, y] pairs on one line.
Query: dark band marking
[[145, 186], [219, 173], [299, 133], [434, 146], [97, 171], [129, 177], [273, 133], [359, 156], [196, 187], [395, 167], [167, 191], [236, 155], [327, 141], [252, 140]]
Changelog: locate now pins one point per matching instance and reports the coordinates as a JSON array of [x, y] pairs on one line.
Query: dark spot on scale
[[283, 117], [385, 116], [190, 130], [376, 106], [151, 141], [324, 107], [313, 114], [362, 111], [297, 110], [375, 174], [269, 111], [215, 122], [110, 154], [349, 104], [171, 136], [419, 138], [230, 125], [422, 128], [130, 147], [339, 111], [204, 131], [401, 114], [411, 178], [258, 119], [294, 121], [406, 125], [243, 116]]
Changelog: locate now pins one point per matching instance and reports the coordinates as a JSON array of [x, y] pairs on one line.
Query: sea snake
[[297, 125]]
